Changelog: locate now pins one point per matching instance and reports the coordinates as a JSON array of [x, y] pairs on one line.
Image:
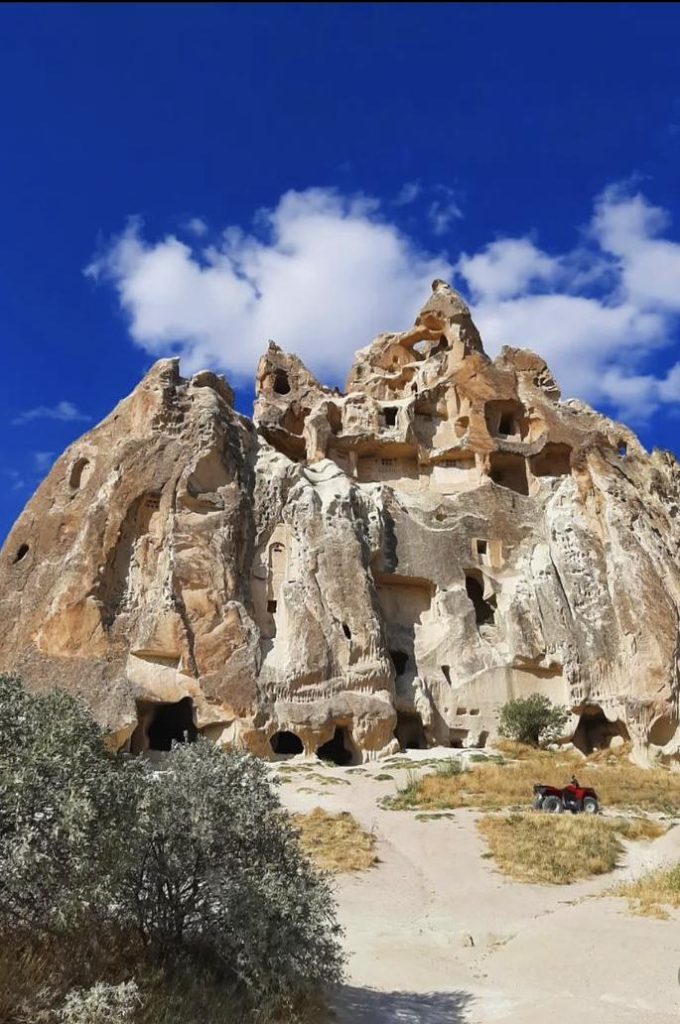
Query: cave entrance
[[410, 731], [161, 725], [485, 609], [457, 737], [594, 730], [662, 731], [281, 383], [400, 660], [338, 750], [286, 743]]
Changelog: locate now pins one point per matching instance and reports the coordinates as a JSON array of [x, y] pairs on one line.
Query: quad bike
[[572, 798]]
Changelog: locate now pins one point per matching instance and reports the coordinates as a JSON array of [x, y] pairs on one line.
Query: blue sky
[[198, 178]]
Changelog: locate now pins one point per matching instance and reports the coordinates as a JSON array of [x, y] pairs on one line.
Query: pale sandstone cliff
[[383, 566]]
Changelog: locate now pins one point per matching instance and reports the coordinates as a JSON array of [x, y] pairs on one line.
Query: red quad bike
[[574, 798]]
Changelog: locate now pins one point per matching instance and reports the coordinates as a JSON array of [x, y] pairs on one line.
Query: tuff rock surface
[[383, 566]]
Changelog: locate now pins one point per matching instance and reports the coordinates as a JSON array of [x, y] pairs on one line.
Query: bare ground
[[436, 935]]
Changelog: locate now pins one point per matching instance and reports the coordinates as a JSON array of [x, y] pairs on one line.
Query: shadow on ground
[[368, 1006]]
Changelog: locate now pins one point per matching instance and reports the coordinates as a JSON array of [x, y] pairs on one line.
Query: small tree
[[533, 720], [199, 859], [212, 867], [58, 799]]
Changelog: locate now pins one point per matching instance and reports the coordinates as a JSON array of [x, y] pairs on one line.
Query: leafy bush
[[533, 720], [198, 860], [101, 1004], [57, 809]]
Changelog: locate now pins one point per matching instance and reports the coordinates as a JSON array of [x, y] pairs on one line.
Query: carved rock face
[[353, 571]]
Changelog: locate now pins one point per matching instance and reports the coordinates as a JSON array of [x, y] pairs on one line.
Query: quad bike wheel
[[552, 805], [590, 805], [538, 802]]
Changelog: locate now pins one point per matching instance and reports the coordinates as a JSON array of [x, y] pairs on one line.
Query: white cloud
[[196, 226], [42, 461], [15, 480], [506, 268], [596, 313], [444, 210], [408, 192], [67, 412], [322, 276], [322, 273]]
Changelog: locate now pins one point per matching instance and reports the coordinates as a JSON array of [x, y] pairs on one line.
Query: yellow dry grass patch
[[335, 842], [653, 894], [559, 849], [493, 786]]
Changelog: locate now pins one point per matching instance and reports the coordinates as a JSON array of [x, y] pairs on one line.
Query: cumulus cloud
[[597, 312], [321, 274], [67, 412]]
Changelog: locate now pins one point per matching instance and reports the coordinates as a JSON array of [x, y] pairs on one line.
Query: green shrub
[[198, 860], [533, 720], [101, 1004]]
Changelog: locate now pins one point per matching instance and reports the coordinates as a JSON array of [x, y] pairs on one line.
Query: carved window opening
[[506, 418], [338, 750], [410, 731], [461, 426], [286, 743], [483, 737], [281, 384], [22, 551], [271, 607], [389, 463], [400, 661], [485, 609], [347, 631], [447, 673], [510, 471], [482, 547], [552, 460], [80, 471], [390, 414], [622, 449]]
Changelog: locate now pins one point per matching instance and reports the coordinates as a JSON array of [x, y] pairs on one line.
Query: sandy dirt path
[[435, 935]]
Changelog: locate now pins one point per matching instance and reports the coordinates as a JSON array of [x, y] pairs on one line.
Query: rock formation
[[351, 572]]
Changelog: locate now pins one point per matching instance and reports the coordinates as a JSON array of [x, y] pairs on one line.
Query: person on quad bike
[[574, 782]]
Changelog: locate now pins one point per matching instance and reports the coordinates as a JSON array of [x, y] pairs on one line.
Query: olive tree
[[213, 866], [196, 856], [533, 720], [57, 809]]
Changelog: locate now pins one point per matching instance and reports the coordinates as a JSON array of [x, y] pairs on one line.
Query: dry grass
[[494, 786], [653, 894], [559, 850], [36, 973], [335, 842]]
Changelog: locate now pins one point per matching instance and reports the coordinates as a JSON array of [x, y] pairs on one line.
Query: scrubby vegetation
[[533, 720], [335, 842], [188, 884], [500, 786], [559, 850], [653, 894]]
